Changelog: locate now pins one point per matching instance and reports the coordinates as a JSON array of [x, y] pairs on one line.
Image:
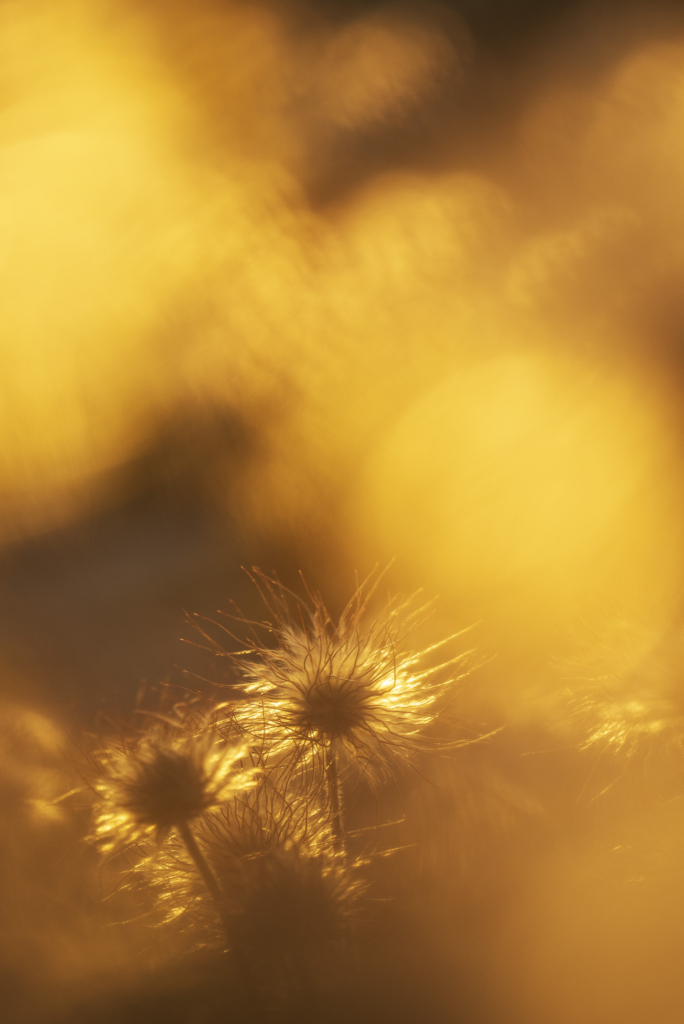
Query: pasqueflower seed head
[[350, 683], [290, 899], [149, 785], [284, 885]]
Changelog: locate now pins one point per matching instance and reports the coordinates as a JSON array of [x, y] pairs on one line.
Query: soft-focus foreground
[[322, 287]]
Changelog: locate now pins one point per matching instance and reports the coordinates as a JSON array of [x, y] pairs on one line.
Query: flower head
[[285, 888], [350, 684], [167, 776], [289, 898]]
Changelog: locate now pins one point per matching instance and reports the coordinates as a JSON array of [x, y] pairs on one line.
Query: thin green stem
[[208, 876], [334, 797]]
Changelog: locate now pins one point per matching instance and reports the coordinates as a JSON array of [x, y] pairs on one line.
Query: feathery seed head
[[627, 694], [283, 883], [638, 721], [264, 819], [350, 684], [150, 784], [288, 898]]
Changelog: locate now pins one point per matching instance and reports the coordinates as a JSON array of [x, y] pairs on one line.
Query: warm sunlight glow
[[342, 291], [531, 484]]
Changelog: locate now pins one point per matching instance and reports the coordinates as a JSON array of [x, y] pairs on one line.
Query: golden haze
[[467, 366]]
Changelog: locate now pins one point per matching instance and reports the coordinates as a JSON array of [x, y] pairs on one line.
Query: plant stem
[[334, 797], [208, 876]]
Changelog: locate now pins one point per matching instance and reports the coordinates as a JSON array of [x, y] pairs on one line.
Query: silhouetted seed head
[[256, 822], [283, 883], [350, 683], [151, 784], [290, 899]]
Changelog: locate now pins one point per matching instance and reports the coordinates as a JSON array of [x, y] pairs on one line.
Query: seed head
[[284, 886], [627, 723], [149, 784], [350, 684], [628, 698], [288, 898]]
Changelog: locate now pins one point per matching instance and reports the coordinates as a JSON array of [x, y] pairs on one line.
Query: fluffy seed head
[[284, 885], [350, 684], [630, 701], [289, 898], [626, 723], [151, 783], [635, 723]]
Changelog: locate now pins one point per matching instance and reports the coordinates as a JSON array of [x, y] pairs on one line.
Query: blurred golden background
[[320, 287]]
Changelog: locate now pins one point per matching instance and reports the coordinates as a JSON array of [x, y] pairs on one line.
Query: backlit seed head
[[628, 696], [627, 723], [637, 731], [351, 683], [291, 899], [151, 783], [284, 885]]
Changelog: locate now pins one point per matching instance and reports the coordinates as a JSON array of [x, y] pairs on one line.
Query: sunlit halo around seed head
[[353, 684], [151, 783]]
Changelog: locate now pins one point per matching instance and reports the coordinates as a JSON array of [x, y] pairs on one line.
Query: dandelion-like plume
[[162, 779], [323, 695], [351, 683], [288, 894], [171, 774]]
